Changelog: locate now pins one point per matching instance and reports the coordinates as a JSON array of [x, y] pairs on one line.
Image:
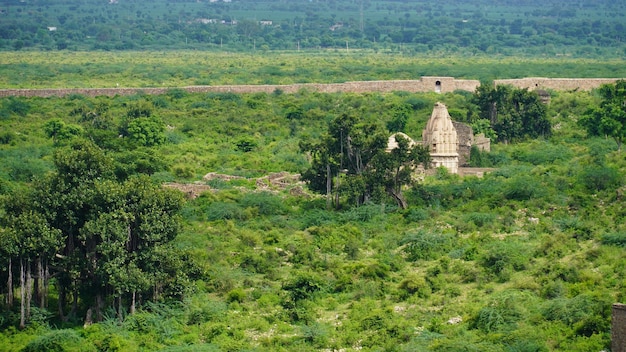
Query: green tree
[[59, 131], [395, 169], [399, 117], [342, 156], [513, 113], [609, 118], [146, 131], [106, 242], [351, 160]]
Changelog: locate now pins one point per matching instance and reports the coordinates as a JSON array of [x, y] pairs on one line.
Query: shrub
[[364, 213], [206, 311], [304, 286], [427, 245], [501, 314], [479, 219], [246, 144], [414, 284], [6, 137], [55, 341], [503, 256], [145, 131], [587, 314], [176, 93], [614, 239], [521, 188], [16, 106], [265, 202], [236, 295], [224, 211], [315, 334], [598, 178], [416, 214]]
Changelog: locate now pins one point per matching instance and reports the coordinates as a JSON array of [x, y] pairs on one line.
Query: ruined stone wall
[[466, 139], [532, 83], [618, 329], [426, 84]]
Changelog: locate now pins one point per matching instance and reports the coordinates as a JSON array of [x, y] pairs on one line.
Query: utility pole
[[361, 26]]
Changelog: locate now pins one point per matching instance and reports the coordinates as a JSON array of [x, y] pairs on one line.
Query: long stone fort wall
[[425, 84], [556, 83]]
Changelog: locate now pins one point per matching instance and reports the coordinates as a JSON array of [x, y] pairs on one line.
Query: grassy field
[[64, 69]]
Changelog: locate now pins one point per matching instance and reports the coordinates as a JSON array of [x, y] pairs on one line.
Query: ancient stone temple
[[441, 138], [449, 142]]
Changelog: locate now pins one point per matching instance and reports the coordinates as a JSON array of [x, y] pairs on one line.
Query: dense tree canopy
[[514, 114], [546, 27], [100, 239], [609, 118], [351, 159]]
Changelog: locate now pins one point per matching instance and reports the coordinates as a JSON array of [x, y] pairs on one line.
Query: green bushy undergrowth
[[527, 258]]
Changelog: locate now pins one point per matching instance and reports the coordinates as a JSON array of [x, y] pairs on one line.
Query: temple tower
[[441, 139]]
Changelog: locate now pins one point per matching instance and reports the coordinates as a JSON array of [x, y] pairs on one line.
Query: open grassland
[[64, 69]]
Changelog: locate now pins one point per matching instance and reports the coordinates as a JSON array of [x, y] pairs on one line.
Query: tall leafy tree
[[105, 242], [609, 118], [396, 168], [351, 160], [513, 113]]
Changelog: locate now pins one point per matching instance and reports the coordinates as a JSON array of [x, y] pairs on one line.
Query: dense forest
[[548, 28], [98, 255]]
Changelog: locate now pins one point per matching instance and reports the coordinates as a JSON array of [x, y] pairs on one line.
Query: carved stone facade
[[441, 139]]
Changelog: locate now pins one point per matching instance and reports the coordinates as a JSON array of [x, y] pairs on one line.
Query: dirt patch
[[274, 181]]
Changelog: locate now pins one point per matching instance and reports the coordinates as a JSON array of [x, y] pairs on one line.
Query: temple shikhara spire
[[441, 138]]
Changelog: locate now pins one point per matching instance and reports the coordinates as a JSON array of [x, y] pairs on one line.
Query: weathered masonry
[[424, 84], [532, 83]]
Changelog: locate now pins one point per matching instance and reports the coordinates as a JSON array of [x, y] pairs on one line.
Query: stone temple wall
[[466, 140]]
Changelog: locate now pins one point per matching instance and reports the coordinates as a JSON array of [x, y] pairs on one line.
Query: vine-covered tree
[[513, 113], [609, 118]]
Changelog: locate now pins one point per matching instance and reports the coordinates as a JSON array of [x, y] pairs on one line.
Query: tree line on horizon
[[556, 27]]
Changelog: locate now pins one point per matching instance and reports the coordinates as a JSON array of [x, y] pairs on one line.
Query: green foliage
[[610, 117], [424, 245], [514, 256], [61, 132], [500, 258], [587, 314], [414, 285], [614, 239], [522, 188], [17, 106], [246, 144], [141, 108], [514, 114], [7, 137], [502, 314], [58, 341], [305, 285], [599, 178], [146, 131]]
